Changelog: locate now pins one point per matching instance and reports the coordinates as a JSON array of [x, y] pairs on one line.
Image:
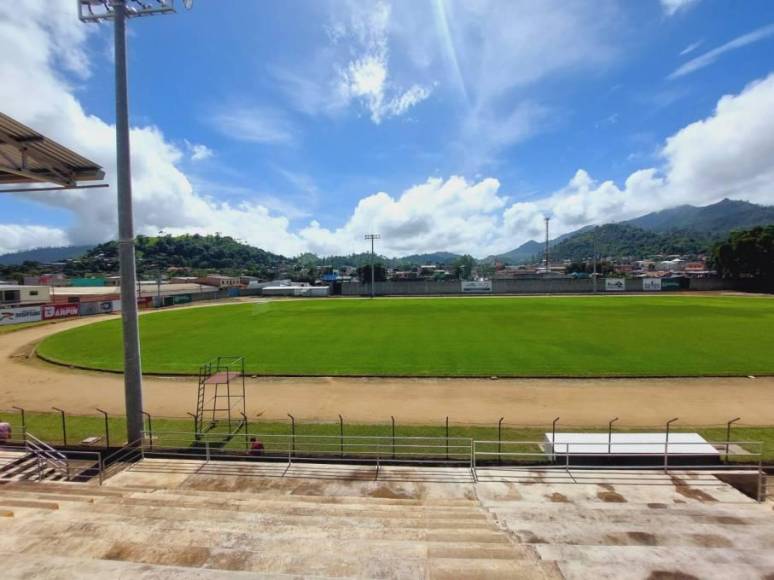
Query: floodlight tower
[[372, 237], [118, 11], [548, 219]]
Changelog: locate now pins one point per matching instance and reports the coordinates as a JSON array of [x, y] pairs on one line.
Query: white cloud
[[450, 214], [199, 152], [34, 53], [711, 56], [253, 124], [691, 47], [14, 237], [672, 7]]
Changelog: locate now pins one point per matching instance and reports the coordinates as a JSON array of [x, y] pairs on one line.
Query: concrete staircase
[[24, 466]]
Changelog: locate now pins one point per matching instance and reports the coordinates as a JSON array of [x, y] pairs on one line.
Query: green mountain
[[684, 229], [719, 218], [203, 253], [44, 255], [623, 240]]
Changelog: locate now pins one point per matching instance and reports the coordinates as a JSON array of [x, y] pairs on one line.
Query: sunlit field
[[520, 336]]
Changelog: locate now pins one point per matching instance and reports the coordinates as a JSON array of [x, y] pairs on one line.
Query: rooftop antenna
[[118, 11]]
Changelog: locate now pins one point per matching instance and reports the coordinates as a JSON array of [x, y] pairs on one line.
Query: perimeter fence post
[[293, 432], [728, 434], [341, 435], [666, 444], [150, 429], [107, 427], [447, 438], [500, 440], [64, 425], [393, 436], [23, 421]]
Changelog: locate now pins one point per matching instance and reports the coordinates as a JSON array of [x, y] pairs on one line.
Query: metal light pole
[[594, 260], [372, 237], [118, 11]]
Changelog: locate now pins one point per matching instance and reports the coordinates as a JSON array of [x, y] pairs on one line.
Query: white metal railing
[[668, 456], [379, 450]]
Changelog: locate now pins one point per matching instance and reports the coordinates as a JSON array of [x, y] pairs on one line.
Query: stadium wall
[[527, 286]]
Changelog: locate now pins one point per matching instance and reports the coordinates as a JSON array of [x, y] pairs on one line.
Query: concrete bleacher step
[[465, 569], [89, 528], [296, 508], [193, 514], [635, 533], [653, 555], [23, 567], [578, 570]]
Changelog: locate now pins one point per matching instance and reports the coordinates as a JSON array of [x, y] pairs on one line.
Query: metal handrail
[[45, 454], [109, 465]]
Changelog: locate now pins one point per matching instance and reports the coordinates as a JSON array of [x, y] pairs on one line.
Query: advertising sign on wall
[[476, 286], [181, 299], [651, 284], [615, 284], [59, 311], [674, 283], [19, 315]]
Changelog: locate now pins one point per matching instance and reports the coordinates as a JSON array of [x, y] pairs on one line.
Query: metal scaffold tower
[[220, 399]]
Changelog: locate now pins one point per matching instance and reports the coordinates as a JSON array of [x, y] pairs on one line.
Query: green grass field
[[524, 336]]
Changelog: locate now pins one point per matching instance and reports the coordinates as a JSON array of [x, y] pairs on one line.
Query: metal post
[[372, 237], [393, 435], [247, 431], [196, 425], [207, 450], [500, 440], [341, 435], [610, 435], [107, 427], [293, 433], [150, 429], [666, 444], [447, 438], [24, 422], [728, 433], [64, 425], [553, 438], [131, 332], [594, 260]]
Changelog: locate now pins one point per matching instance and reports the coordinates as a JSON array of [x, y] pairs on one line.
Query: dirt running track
[[28, 382]]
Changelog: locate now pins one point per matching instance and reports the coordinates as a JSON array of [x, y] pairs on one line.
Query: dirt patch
[[711, 541], [557, 497], [529, 537], [386, 492], [643, 538], [190, 556], [608, 494], [309, 488], [691, 492], [657, 506], [728, 520], [671, 575]]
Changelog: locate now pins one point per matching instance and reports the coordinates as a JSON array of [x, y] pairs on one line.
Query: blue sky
[[443, 125]]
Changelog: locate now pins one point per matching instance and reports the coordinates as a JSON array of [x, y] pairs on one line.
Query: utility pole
[[372, 237], [118, 11], [594, 260], [548, 219]]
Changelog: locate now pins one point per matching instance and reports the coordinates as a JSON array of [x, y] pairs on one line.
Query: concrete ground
[[36, 385], [190, 519]]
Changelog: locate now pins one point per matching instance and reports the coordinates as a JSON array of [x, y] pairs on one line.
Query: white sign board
[[476, 286], [651, 284], [615, 284], [19, 315]]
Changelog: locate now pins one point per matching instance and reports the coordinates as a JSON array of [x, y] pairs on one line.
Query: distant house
[[219, 281], [15, 294]]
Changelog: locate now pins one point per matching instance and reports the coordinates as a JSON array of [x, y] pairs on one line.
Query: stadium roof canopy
[[27, 157]]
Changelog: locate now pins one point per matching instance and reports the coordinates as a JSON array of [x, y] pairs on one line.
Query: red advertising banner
[[59, 311]]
